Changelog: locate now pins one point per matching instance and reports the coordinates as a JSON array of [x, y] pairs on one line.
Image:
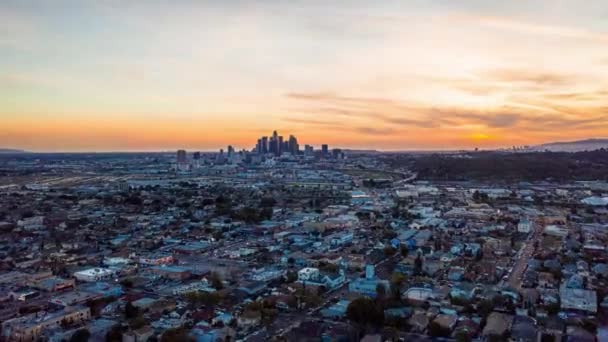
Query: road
[[523, 256]]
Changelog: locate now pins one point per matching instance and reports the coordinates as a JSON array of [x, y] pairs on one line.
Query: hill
[[574, 146], [11, 150]]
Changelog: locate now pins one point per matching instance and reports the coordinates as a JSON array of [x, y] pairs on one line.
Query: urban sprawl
[[287, 244]]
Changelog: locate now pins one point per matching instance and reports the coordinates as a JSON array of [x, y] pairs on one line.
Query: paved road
[[523, 256]]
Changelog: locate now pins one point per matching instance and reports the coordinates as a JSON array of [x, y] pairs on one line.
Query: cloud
[[526, 116], [312, 122], [527, 76], [375, 131], [518, 26], [381, 109]]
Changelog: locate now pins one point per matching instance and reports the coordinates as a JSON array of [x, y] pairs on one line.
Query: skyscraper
[[293, 146], [280, 146], [308, 150], [181, 156], [264, 145], [196, 159], [324, 150]]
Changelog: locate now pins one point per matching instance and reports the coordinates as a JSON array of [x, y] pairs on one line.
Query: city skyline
[[400, 75]]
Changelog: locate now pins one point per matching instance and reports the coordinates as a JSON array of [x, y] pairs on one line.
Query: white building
[[308, 274], [524, 226], [94, 274]]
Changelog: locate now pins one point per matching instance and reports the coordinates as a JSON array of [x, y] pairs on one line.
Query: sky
[[388, 75]]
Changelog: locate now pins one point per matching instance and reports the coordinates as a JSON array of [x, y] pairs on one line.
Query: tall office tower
[[196, 159], [309, 150], [336, 153], [181, 156], [324, 150], [264, 145], [220, 158], [280, 146], [272, 145], [230, 151], [294, 148]]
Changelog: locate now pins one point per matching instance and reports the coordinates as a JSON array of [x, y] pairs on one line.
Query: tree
[[418, 265], [266, 213], [223, 205], [485, 307], [267, 202], [114, 334], [380, 292], [291, 276], [365, 312], [462, 336], [216, 281], [137, 322], [175, 335], [389, 251], [397, 283], [436, 330], [81, 335], [131, 311]]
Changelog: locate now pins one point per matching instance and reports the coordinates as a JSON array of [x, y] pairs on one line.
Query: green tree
[[216, 281], [81, 335], [418, 265], [175, 335], [380, 292], [114, 334], [131, 311], [364, 312], [397, 283]]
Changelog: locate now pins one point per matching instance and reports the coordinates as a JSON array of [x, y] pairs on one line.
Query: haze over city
[[391, 75]]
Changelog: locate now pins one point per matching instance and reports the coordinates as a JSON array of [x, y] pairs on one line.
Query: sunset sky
[[391, 75]]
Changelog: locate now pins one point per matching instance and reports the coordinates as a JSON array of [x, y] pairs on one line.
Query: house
[[367, 286], [524, 226], [53, 284], [463, 290], [94, 274], [524, 329], [32, 326], [418, 322], [252, 288], [249, 318], [337, 310], [446, 322], [171, 272], [140, 335], [498, 324], [419, 294], [578, 299]]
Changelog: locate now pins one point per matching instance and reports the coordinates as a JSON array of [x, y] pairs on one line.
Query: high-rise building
[[264, 145], [324, 150], [230, 151], [308, 150], [293, 146], [196, 159], [280, 146], [336, 153], [181, 156]]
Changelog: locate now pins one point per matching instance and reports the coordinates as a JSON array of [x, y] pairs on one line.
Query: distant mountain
[[11, 150], [574, 146]]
